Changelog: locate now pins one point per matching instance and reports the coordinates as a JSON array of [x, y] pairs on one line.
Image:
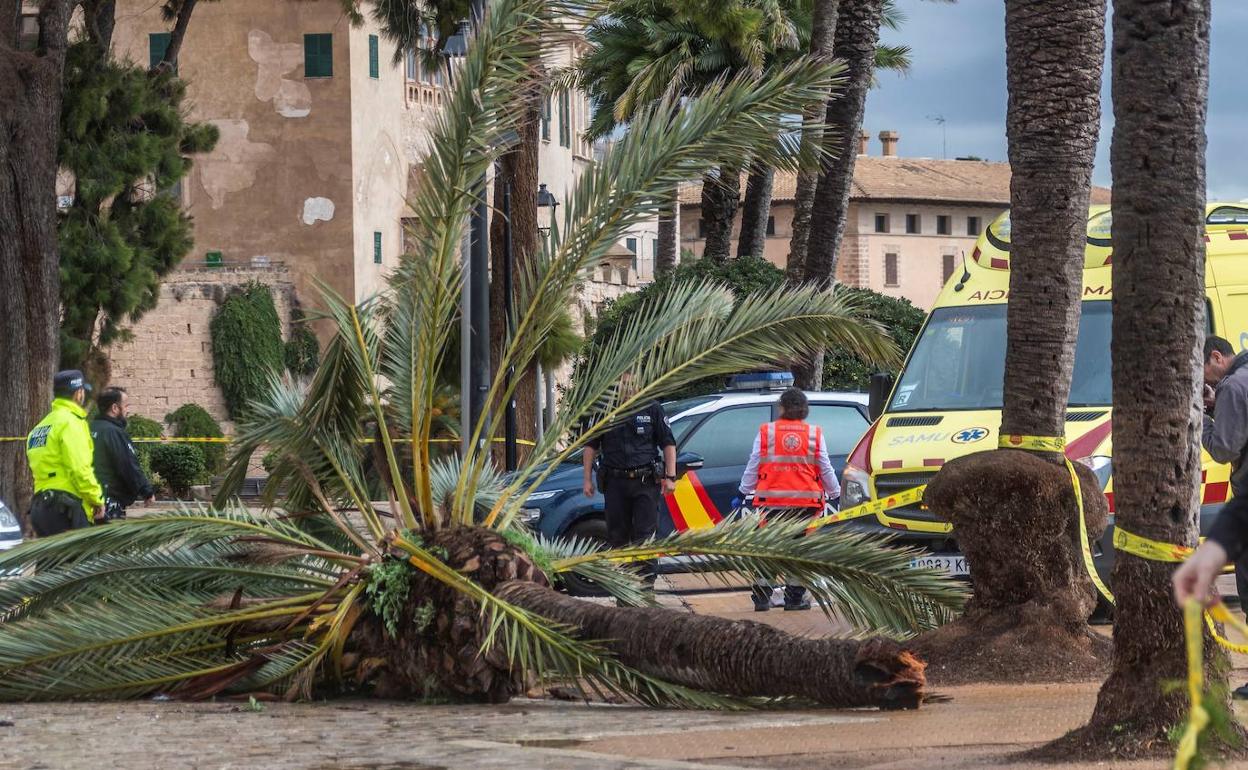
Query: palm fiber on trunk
[[737, 657], [1015, 517]]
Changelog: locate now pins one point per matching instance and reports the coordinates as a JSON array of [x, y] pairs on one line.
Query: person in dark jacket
[[116, 463], [638, 464], [1225, 438]]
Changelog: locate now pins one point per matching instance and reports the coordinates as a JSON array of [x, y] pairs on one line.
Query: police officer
[[116, 463], [789, 472], [632, 474], [60, 453]]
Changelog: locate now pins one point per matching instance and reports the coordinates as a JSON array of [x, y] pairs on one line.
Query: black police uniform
[[117, 467], [629, 474]]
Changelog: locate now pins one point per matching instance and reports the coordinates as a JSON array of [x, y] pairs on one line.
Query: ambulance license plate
[[950, 565]]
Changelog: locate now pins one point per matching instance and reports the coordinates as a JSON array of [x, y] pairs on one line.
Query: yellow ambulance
[[946, 401]]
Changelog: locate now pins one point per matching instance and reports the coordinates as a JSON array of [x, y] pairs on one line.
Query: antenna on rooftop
[[944, 136]]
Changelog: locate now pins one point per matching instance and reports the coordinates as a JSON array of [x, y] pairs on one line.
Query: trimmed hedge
[[180, 466], [193, 421]]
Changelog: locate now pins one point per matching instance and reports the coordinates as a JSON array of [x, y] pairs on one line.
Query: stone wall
[[168, 362]]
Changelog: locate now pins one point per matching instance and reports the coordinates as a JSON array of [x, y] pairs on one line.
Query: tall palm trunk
[[822, 35], [856, 33], [736, 657], [665, 257], [30, 106], [1160, 88], [755, 211], [721, 195], [518, 170], [1054, 50]]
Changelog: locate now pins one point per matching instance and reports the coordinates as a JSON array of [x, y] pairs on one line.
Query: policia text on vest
[[61, 457], [638, 461]]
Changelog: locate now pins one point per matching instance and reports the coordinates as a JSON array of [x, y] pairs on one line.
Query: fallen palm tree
[[439, 589]]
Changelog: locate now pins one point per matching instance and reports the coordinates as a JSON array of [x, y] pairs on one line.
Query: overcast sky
[[959, 72]]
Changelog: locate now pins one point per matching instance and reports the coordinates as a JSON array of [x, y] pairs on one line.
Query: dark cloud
[[959, 73]]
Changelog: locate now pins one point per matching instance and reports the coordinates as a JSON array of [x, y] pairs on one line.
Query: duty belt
[[640, 472]]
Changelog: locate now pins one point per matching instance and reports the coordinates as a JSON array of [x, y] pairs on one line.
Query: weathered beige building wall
[[921, 258], [168, 362], [279, 185]]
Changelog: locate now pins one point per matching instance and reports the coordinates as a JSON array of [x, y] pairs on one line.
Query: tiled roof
[[910, 179]]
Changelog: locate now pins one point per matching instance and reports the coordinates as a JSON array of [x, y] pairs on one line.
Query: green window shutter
[[546, 118], [374, 66], [157, 44], [376, 247], [318, 56], [565, 128]]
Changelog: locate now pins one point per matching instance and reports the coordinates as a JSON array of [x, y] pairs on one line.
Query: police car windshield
[[674, 410], [959, 361]]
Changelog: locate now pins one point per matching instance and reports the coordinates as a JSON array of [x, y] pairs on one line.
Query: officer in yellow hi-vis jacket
[[61, 457]]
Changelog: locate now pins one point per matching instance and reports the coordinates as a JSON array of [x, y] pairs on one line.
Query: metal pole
[[509, 428], [465, 351], [479, 337], [539, 402]]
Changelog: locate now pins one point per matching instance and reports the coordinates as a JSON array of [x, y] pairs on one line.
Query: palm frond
[[860, 578], [617, 579], [696, 331]]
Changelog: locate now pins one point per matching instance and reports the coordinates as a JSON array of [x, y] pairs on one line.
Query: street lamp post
[[474, 369], [546, 201]]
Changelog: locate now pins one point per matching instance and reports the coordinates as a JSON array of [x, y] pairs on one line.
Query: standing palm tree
[[1054, 50], [1160, 92], [439, 588], [643, 51]]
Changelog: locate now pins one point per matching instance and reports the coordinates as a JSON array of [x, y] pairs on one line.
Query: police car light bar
[[761, 381]]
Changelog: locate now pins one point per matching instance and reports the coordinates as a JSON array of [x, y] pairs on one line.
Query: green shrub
[[138, 426], [247, 346], [303, 352], [745, 276], [193, 421], [180, 466], [902, 321]]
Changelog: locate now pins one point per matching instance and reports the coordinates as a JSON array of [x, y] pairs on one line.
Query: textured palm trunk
[[665, 258], [822, 36], [755, 211], [1160, 91], [721, 194], [519, 170], [737, 657], [442, 653], [30, 105], [856, 34], [1035, 628]]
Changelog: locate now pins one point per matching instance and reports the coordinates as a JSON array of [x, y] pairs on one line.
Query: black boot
[[762, 598], [795, 599]]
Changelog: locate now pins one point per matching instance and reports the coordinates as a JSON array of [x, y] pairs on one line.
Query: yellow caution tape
[[908, 497], [230, 440], [1146, 548], [1058, 444], [1199, 718]]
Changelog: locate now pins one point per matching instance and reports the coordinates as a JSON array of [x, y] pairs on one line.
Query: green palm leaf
[[869, 584]]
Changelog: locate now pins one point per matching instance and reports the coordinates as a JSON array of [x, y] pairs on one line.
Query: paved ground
[[980, 727]]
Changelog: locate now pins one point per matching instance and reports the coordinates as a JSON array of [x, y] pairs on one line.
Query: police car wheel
[[586, 529]]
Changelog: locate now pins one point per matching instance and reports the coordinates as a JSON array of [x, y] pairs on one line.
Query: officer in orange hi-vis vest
[[789, 470]]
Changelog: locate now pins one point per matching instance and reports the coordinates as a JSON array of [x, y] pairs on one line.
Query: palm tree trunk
[[856, 33], [518, 169], [755, 211], [736, 657], [822, 35], [31, 87], [1160, 91], [665, 256], [721, 194], [1054, 50]]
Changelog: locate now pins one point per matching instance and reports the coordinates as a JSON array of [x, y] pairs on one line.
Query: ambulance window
[[1228, 215], [725, 438], [842, 426]]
